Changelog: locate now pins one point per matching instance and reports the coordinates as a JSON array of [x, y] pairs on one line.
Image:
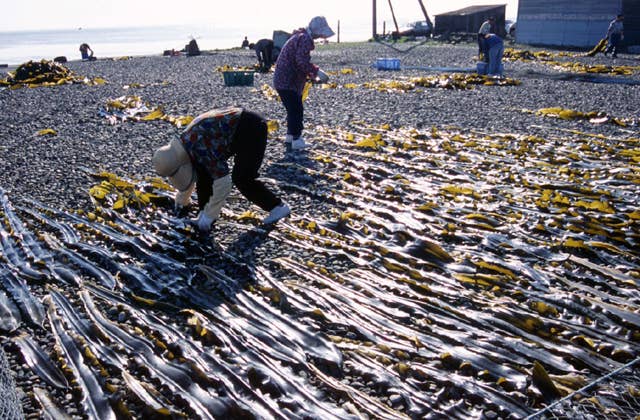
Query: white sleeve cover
[[221, 190]]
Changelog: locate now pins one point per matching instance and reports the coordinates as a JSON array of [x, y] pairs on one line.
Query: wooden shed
[[469, 19]]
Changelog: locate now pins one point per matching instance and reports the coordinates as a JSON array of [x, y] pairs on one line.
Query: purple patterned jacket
[[294, 66], [207, 139]]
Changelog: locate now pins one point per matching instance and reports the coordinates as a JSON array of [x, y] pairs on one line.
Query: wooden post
[[393, 15], [338, 31], [374, 34], [426, 16]]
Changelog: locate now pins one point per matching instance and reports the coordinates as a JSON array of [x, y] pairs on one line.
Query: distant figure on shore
[[293, 69], [198, 160], [245, 43], [86, 52], [192, 48], [264, 52], [615, 34], [488, 27], [495, 48]]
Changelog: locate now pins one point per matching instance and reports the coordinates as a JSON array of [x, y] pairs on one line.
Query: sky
[[284, 14]]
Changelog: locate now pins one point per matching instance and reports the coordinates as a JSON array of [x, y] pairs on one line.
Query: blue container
[[388, 64]]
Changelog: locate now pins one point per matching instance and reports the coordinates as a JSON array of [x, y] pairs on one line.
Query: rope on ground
[[393, 47], [617, 393]]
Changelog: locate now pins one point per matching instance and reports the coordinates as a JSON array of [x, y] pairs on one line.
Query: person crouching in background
[[86, 52], [198, 159]]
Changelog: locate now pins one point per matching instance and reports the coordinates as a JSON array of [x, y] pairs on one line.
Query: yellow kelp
[[119, 193], [133, 108]]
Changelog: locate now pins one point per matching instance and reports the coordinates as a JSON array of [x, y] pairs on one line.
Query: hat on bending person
[[319, 28], [173, 162]]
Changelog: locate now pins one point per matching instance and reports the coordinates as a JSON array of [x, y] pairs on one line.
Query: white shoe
[[277, 213], [287, 143], [298, 144]]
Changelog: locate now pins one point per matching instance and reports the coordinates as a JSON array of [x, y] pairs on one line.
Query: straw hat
[[318, 27], [173, 162]]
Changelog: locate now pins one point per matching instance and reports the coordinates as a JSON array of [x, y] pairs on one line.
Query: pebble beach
[[444, 241]]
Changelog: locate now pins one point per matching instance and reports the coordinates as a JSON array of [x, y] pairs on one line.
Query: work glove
[[203, 222], [321, 77]]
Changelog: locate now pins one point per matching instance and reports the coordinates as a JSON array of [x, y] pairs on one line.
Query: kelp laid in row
[[44, 73], [594, 117], [551, 59], [454, 81], [449, 272]]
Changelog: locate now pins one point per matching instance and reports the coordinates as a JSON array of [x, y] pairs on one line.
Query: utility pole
[[393, 15], [426, 16], [374, 34]]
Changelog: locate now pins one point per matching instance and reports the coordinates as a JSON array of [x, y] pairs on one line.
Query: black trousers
[[265, 57], [248, 146], [292, 102]]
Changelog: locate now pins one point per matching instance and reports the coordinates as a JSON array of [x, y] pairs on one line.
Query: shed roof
[[472, 10]]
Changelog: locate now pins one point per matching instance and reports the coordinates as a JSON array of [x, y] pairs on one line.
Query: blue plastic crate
[[388, 64]]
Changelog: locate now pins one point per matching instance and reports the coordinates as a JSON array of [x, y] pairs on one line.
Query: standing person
[[264, 52], [245, 43], [615, 34], [198, 159], [495, 48], [293, 68], [86, 52], [487, 27]]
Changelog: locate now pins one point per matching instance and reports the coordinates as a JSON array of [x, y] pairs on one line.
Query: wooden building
[[575, 23], [469, 19]]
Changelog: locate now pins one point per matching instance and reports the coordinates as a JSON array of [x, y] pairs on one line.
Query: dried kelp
[[44, 73]]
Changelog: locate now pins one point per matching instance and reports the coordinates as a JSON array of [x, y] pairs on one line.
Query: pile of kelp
[[456, 274], [43, 73]]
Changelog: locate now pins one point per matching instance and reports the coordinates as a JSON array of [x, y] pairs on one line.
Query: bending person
[[264, 52], [198, 159], [495, 50]]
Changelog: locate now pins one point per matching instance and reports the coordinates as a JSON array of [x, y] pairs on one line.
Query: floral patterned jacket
[[208, 138], [294, 66]]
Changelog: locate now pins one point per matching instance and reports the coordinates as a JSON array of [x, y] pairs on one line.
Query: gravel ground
[[49, 169], [54, 169]]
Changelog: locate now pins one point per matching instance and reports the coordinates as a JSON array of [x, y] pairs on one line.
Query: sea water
[[21, 46]]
